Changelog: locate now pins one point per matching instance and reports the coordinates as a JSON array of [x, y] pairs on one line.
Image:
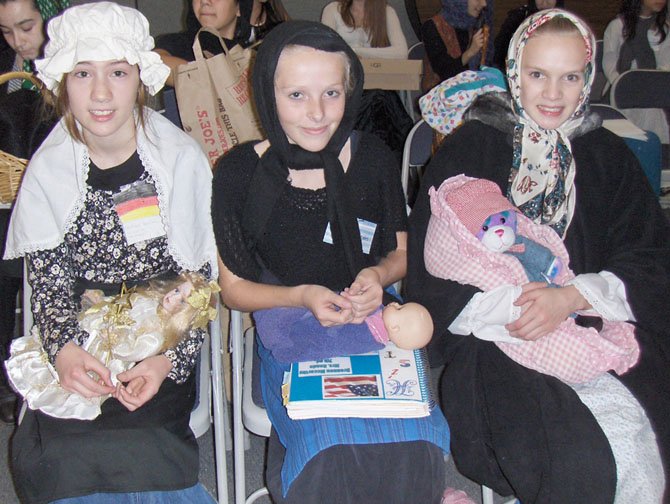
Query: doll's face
[[409, 325], [498, 231], [175, 299]]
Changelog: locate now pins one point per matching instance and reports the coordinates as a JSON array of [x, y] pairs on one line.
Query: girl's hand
[[365, 294], [544, 308], [329, 308], [73, 365], [142, 381], [476, 44]]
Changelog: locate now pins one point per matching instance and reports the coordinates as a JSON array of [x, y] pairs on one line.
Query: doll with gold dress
[[123, 329]]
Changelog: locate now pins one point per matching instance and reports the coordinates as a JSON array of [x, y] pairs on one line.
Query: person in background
[[454, 39], [638, 38], [372, 29], [265, 15], [107, 154], [23, 26], [22, 23], [230, 18], [514, 18]]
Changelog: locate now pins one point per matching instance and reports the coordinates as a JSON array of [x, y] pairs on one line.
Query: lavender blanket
[[294, 334]]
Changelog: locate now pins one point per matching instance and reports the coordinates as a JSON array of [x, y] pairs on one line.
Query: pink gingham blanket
[[571, 353]]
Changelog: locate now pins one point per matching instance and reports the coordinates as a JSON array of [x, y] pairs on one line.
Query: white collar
[[54, 188]]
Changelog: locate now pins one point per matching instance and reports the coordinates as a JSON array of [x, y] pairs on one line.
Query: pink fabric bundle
[[571, 353]]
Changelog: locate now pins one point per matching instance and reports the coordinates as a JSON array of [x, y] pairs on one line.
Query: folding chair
[[607, 112], [415, 155], [246, 413], [600, 84], [411, 98], [170, 109], [641, 89]]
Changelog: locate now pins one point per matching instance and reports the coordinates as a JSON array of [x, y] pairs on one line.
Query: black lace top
[[294, 247]]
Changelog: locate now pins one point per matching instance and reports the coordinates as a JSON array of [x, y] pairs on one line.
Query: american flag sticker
[[351, 387]]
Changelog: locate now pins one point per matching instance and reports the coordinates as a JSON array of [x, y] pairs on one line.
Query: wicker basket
[[11, 173], [11, 167]]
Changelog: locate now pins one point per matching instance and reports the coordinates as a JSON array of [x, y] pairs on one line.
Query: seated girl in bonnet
[[116, 193]]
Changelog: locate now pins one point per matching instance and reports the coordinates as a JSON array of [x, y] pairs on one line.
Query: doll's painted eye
[[503, 220], [485, 228]]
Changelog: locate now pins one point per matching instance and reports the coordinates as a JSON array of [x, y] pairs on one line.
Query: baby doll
[[463, 243], [123, 329], [294, 334]]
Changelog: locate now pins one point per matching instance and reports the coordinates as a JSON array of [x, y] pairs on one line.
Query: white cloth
[[647, 119], [54, 187], [33, 376], [638, 462], [487, 313], [100, 31], [359, 39], [606, 293]]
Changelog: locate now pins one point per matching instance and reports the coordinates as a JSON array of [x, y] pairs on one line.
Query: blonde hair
[[176, 325], [347, 78], [557, 24]]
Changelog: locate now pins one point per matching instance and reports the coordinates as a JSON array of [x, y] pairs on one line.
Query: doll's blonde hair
[[178, 324]]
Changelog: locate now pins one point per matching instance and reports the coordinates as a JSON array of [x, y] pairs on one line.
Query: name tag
[[366, 229], [137, 207]]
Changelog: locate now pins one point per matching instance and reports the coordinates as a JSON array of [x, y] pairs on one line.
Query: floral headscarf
[[543, 171]]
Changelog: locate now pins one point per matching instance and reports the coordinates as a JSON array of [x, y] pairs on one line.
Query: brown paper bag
[[214, 98]]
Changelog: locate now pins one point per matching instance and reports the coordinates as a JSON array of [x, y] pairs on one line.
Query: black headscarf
[[271, 173]]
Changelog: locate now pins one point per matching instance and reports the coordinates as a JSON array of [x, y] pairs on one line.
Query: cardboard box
[[396, 74]]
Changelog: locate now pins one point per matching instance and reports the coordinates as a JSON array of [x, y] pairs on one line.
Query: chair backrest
[[417, 151], [415, 52], [170, 109], [641, 89], [247, 415], [607, 111], [600, 80]]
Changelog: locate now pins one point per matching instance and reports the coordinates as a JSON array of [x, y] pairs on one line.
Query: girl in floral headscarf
[[541, 439]]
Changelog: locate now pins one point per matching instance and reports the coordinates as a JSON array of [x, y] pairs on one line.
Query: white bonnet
[[100, 31]]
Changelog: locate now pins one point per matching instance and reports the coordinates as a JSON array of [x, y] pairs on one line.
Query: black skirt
[[150, 449]]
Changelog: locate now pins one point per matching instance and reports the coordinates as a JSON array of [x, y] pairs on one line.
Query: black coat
[[514, 429]]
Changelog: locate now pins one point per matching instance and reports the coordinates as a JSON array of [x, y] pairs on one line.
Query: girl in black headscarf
[[313, 211]]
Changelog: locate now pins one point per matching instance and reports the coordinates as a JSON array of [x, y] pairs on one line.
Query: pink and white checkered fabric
[[571, 353]]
